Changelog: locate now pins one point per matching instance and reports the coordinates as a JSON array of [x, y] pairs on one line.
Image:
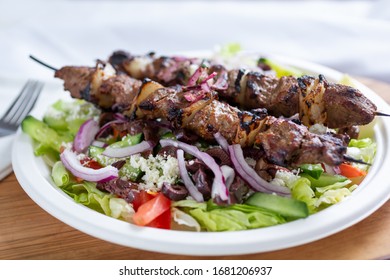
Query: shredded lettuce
[[362, 149], [333, 196], [280, 69], [182, 218], [233, 217], [230, 50], [347, 80], [314, 197], [87, 194], [334, 186], [59, 174], [68, 116], [302, 191], [120, 209]]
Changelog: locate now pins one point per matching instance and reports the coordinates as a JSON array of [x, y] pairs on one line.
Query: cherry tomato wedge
[[350, 171], [151, 210], [163, 221], [90, 163], [141, 197]]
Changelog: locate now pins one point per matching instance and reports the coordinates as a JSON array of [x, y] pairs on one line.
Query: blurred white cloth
[[350, 36]]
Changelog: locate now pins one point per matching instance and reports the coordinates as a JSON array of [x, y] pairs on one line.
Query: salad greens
[[212, 217], [281, 70]]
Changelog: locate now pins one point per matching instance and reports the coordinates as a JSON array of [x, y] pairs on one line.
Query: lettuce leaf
[[300, 188], [234, 217], [280, 69], [362, 149], [333, 196], [68, 116]]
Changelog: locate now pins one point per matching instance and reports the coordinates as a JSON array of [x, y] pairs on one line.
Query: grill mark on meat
[[237, 82], [175, 114], [148, 106], [86, 93], [210, 127]]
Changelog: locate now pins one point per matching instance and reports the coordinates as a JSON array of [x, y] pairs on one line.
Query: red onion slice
[[85, 135], [186, 178], [222, 141], [221, 83], [71, 162], [107, 126], [250, 176], [218, 188], [120, 117], [194, 78], [128, 151], [228, 174], [194, 96], [332, 170], [99, 144]]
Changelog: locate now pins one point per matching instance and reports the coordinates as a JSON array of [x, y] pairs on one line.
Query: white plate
[[34, 177]]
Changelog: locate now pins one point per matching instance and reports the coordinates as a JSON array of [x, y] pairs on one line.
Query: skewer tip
[[42, 63], [382, 114], [351, 159]]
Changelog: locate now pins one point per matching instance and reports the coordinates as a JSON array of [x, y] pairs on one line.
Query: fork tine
[[30, 103], [23, 104]]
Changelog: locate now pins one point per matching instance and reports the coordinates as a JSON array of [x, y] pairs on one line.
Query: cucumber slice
[[289, 208], [128, 140], [42, 133], [324, 180], [314, 170], [95, 151]]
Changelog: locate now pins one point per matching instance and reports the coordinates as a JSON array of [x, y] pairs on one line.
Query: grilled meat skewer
[[315, 99], [284, 142]]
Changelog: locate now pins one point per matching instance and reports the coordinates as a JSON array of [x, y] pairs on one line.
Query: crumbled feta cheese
[[81, 156], [105, 160], [278, 182], [67, 145], [157, 170], [284, 178]]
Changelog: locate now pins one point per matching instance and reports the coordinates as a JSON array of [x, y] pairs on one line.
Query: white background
[[351, 36]]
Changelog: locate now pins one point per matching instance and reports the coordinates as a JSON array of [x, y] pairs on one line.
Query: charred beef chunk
[[76, 79], [347, 106], [288, 144], [351, 131]]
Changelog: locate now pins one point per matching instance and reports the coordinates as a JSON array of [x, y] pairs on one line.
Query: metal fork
[[21, 106]]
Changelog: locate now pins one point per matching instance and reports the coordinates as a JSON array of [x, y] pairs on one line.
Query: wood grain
[[28, 232]]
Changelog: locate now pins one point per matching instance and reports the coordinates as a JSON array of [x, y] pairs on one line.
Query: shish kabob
[[283, 141], [315, 99]]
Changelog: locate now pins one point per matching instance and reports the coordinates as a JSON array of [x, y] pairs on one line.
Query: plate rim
[[55, 202]]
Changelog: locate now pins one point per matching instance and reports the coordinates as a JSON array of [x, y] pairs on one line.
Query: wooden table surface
[[28, 232]]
